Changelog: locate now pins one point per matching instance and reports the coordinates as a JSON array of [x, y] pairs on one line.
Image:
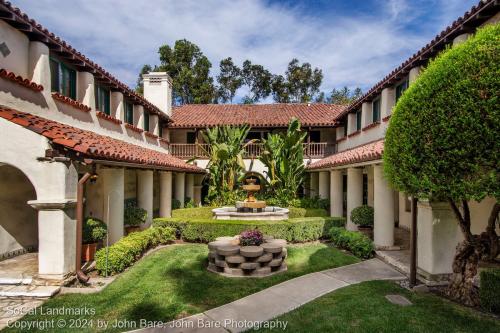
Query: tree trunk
[[469, 253]]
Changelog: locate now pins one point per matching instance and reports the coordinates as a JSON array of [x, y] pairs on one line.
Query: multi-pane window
[[129, 113], [376, 110], [146, 121], [345, 127], [358, 120], [102, 99], [400, 88], [63, 79]]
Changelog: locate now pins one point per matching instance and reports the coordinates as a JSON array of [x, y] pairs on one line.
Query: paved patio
[[19, 270], [277, 300]]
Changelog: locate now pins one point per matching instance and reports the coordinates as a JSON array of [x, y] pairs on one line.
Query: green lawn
[[173, 283], [364, 308]]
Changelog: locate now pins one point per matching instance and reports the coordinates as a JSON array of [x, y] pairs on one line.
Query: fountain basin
[[270, 213]]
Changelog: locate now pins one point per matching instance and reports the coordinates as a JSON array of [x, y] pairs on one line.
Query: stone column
[[190, 186], [314, 184], [383, 202], [165, 194], [117, 105], [336, 193], [39, 65], [354, 193], [113, 194], [145, 193], [324, 185], [437, 237], [85, 89], [180, 181]]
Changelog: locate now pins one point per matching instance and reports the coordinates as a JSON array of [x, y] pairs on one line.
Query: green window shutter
[[54, 75], [146, 121], [376, 110], [345, 128], [129, 113], [400, 88], [72, 84], [358, 120], [107, 107]]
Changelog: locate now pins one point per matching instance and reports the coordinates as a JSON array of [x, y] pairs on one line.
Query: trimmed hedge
[[127, 250], [489, 291], [293, 230], [359, 245], [206, 212]]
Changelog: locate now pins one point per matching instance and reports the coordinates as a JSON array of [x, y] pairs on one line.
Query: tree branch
[[464, 225], [493, 217]]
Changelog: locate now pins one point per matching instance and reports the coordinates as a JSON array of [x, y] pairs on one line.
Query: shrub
[[127, 250], [362, 216], [306, 212], [312, 203], [360, 245], [176, 204], [196, 213], [93, 230], [251, 237], [293, 230], [489, 291], [189, 203], [134, 216]]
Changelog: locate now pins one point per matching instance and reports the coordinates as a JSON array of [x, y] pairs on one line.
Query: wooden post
[[413, 243]]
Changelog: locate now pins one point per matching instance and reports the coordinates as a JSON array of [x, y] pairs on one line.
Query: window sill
[[20, 80], [104, 116], [386, 118], [342, 139], [151, 135], [133, 128], [353, 134], [69, 101], [374, 124], [163, 140]]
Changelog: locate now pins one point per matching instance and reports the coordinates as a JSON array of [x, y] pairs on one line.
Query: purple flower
[[251, 237]]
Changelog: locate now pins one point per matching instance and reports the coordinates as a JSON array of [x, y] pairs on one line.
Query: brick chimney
[[158, 90]]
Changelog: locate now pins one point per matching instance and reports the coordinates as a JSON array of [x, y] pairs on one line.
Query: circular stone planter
[[232, 260]]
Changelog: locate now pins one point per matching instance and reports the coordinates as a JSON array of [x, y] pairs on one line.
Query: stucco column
[[86, 89], [387, 101], [414, 73], [180, 181], [336, 193], [314, 184], [461, 38], [145, 193], [139, 116], [324, 185], [370, 185], [354, 193], [190, 186], [383, 204], [165, 194], [154, 124], [39, 65], [117, 105], [113, 194], [366, 114]]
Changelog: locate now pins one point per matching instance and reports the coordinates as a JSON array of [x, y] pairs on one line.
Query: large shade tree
[[443, 144]]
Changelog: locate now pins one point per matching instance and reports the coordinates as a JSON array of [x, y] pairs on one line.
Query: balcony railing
[[190, 150]]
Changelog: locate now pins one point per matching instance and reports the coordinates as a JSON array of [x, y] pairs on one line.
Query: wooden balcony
[[190, 150]]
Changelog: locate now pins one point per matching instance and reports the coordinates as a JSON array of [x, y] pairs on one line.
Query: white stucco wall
[[18, 44]]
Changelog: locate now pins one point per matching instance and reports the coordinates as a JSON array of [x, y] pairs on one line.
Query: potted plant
[[94, 231], [362, 216], [134, 217]]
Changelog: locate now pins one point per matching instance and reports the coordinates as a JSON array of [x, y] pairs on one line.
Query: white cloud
[[124, 35]]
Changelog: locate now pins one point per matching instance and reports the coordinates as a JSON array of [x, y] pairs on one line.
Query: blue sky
[[355, 43]]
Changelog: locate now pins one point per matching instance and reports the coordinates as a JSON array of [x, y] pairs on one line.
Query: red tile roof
[[367, 152], [95, 146], [20, 80], [35, 31], [256, 115], [473, 18]]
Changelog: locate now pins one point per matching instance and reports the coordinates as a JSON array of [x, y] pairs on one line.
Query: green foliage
[[362, 216], [229, 79], [258, 79], [299, 85], [489, 291], [206, 213], [359, 244], [442, 141], [93, 230], [283, 156], [306, 202], [189, 69], [133, 215], [189, 203], [296, 212], [127, 250], [293, 230], [226, 149], [176, 204], [343, 96]]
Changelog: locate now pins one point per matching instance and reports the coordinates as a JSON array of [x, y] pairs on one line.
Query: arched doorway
[[18, 220]]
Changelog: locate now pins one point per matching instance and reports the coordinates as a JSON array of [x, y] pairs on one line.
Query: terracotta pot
[[132, 228], [88, 251]]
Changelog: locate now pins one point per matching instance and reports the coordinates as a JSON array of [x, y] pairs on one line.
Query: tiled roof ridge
[[410, 62], [20, 80], [70, 101], [93, 145], [34, 26]]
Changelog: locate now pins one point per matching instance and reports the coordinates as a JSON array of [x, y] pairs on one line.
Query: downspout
[[82, 277], [413, 243]]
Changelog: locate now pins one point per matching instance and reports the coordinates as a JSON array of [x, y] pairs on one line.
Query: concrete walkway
[[277, 300]]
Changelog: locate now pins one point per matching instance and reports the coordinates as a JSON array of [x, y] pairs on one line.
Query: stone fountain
[[251, 208]]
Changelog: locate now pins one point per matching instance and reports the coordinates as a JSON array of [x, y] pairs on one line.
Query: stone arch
[[18, 221]]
